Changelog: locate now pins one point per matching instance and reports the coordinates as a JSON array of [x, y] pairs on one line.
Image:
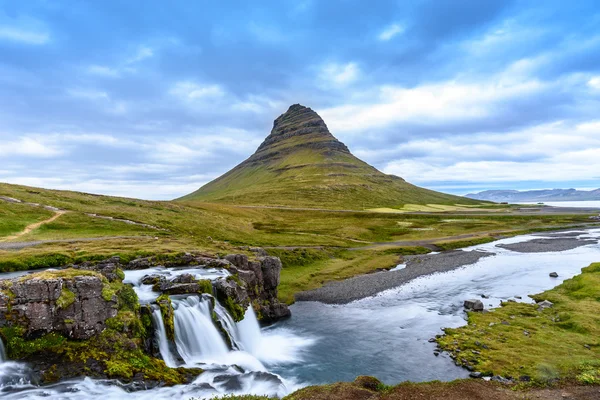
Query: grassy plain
[[326, 237]]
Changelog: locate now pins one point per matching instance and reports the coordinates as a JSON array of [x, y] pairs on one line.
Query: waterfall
[[2, 352], [196, 337], [249, 332], [163, 342], [229, 325], [198, 340]]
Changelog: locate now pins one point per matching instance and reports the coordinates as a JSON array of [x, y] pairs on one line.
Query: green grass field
[[561, 342], [222, 229]]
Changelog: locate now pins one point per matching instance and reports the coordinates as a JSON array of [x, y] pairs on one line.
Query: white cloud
[[594, 82], [188, 90], [427, 104], [29, 147], [339, 74], [16, 34], [391, 31], [557, 152]]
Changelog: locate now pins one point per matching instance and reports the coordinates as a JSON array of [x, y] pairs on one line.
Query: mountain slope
[[536, 195], [301, 164]]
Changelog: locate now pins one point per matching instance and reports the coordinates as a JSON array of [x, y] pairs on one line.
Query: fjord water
[[385, 335], [573, 204]]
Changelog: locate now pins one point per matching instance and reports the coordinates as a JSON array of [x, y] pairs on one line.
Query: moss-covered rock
[[168, 315]]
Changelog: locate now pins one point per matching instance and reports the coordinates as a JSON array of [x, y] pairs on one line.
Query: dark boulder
[[473, 305]]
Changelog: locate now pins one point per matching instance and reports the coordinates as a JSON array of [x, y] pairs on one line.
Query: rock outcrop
[[261, 279], [252, 281], [76, 306]]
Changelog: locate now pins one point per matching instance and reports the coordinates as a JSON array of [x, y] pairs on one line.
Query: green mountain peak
[[301, 164]]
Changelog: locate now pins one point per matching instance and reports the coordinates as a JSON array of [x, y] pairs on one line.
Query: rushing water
[[385, 335]]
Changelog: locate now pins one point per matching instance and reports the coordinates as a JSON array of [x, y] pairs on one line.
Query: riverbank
[[553, 340], [414, 266]]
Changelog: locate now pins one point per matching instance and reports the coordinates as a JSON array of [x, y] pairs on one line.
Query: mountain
[[301, 164], [514, 196]]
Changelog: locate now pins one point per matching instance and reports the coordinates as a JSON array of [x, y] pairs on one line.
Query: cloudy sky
[[152, 99]]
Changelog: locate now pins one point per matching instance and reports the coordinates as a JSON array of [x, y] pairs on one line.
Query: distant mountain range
[[515, 196]]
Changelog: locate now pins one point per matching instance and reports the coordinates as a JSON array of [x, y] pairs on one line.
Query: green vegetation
[[117, 352], [314, 245], [331, 265], [65, 299], [168, 315], [236, 311], [458, 244], [15, 217], [518, 340]]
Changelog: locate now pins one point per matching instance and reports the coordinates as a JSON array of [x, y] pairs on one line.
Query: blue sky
[[152, 99]]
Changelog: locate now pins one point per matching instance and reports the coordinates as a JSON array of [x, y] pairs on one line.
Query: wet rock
[[485, 296], [544, 304], [271, 270], [153, 279], [476, 375], [181, 288], [553, 275], [239, 260], [229, 289], [108, 267], [473, 305], [73, 306], [184, 278], [500, 379]]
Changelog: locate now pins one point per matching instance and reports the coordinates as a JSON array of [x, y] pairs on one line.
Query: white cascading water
[[230, 326], [2, 351], [163, 343], [249, 333], [196, 337]]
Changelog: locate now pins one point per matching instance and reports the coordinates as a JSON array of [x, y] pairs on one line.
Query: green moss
[[236, 278], [205, 286], [119, 272], [560, 342], [127, 298], [69, 273], [235, 310], [168, 316], [18, 348], [65, 299]]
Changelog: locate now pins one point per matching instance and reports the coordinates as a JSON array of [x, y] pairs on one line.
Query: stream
[[386, 335]]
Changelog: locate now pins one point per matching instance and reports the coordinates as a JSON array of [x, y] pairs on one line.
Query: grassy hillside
[[301, 164], [313, 244]]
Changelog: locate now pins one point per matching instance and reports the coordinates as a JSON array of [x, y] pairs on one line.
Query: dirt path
[[34, 226], [22, 245]]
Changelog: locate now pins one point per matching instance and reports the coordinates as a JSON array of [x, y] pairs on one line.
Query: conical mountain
[[301, 164]]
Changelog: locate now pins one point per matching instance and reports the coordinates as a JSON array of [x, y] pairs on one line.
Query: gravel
[[546, 245], [341, 292], [362, 286]]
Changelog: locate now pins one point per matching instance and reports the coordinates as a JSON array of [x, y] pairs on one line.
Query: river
[[386, 335]]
